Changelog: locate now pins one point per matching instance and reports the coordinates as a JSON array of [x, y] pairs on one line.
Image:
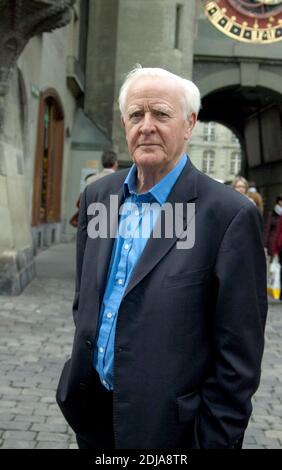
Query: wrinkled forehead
[[154, 88]]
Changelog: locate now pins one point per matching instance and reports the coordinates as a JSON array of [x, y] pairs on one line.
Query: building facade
[[47, 143], [215, 150], [59, 111], [61, 68], [27, 81]]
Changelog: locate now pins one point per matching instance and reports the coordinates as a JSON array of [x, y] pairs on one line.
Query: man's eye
[[161, 114], [135, 115]]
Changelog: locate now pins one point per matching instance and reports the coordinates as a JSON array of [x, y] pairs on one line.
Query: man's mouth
[[147, 144]]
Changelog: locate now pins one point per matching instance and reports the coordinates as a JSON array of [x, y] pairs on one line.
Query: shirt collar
[[161, 190]]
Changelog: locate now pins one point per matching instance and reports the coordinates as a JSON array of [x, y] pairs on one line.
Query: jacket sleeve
[[238, 322], [81, 238]]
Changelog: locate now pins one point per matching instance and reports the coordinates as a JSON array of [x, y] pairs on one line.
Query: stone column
[[101, 57], [19, 21], [157, 33]]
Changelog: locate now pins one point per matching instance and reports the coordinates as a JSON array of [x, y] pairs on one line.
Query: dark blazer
[[190, 330]]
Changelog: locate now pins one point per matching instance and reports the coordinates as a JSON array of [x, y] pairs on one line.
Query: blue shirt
[[137, 219]]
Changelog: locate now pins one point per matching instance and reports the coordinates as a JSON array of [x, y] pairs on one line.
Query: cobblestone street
[[36, 331]]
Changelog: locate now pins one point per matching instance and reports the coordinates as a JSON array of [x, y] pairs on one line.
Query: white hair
[[191, 93]]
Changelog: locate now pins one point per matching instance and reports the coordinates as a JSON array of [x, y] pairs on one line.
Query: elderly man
[[169, 335]]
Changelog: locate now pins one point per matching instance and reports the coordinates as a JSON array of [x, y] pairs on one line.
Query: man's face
[[155, 128]]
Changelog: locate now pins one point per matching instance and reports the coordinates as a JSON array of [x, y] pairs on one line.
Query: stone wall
[[23, 74]]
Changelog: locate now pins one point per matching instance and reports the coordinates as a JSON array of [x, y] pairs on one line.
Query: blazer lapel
[[184, 191], [105, 245]]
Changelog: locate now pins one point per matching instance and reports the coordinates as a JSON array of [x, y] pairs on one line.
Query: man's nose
[[148, 124]]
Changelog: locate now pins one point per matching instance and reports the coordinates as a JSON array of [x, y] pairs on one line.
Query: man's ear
[[190, 124]]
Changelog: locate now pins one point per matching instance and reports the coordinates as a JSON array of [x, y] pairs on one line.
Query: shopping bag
[[273, 282]]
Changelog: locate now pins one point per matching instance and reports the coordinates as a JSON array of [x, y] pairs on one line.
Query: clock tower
[[249, 21]]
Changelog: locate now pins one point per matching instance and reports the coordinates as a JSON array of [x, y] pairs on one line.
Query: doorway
[[48, 160]]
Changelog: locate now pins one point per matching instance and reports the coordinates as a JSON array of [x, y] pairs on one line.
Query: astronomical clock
[[251, 21]]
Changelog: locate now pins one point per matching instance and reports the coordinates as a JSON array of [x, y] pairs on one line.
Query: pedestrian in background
[[241, 185], [255, 195], [74, 218], [277, 250], [273, 235], [110, 165]]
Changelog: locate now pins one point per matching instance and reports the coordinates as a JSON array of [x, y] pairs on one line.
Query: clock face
[[252, 21]]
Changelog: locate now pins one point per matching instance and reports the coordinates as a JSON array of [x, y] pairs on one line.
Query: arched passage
[[48, 160], [254, 114]]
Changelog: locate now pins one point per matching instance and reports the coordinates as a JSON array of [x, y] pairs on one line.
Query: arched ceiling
[[233, 105]]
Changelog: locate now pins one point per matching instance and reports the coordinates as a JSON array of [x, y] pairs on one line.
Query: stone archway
[[247, 75], [248, 100]]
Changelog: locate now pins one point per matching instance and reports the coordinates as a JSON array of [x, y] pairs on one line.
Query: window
[[177, 35], [235, 163], [84, 12], [234, 138], [209, 132], [208, 162]]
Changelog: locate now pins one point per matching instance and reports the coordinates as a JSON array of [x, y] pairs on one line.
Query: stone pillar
[[157, 33], [101, 60], [19, 21]]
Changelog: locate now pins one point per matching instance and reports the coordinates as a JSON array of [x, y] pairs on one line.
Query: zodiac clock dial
[[251, 21]]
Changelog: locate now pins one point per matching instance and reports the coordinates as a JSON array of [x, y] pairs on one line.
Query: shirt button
[[109, 315], [88, 344], [82, 386], [126, 246], [101, 350], [120, 282], [136, 212]]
